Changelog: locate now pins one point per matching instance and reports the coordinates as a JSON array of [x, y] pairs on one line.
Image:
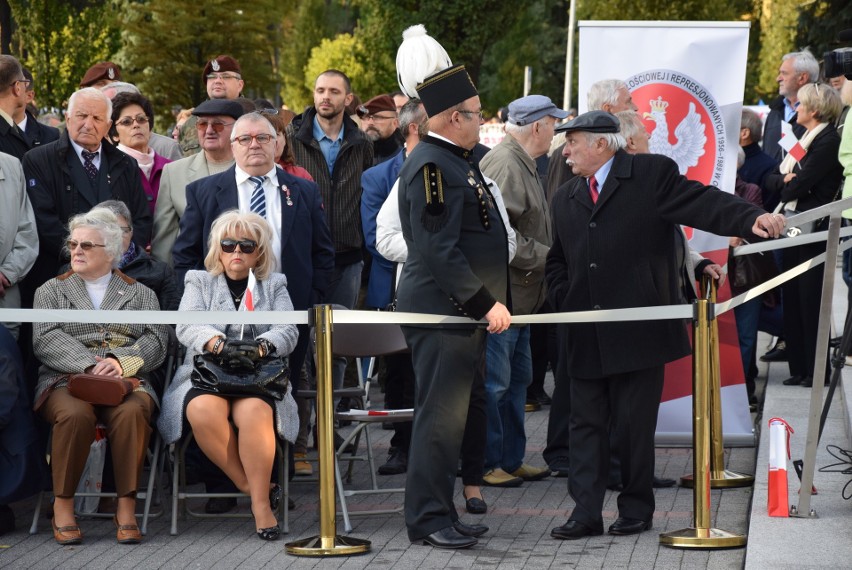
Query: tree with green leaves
[[48, 42]]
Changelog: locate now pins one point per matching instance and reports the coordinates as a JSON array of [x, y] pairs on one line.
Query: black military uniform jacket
[[457, 245]]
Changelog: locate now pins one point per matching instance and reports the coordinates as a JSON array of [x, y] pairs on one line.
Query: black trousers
[[543, 350], [446, 361], [399, 394], [634, 399], [801, 300]]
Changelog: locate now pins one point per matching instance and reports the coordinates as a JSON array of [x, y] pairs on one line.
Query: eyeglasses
[[230, 245], [245, 140], [267, 111], [128, 121], [85, 245], [223, 76], [376, 118], [218, 126], [26, 82], [126, 229], [474, 113]]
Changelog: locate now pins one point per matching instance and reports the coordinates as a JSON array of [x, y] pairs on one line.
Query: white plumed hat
[[418, 57]]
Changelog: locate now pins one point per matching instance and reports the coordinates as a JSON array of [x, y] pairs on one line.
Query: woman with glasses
[[132, 125], [236, 433], [806, 181], [125, 350]]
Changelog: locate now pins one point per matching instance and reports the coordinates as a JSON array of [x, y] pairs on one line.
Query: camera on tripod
[[839, 61]]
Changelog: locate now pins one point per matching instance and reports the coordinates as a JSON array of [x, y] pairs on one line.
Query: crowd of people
[[249, 201]]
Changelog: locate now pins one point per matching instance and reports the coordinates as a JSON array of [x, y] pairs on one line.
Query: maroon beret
[[377, 104], [221, 64], [102, 70]]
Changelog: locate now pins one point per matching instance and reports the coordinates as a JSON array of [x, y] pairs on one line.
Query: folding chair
[[154, 460], [365, 341]]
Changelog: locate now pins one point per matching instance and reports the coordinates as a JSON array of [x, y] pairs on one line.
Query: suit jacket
[[376, 184], [307, 254], [18, 234], [55, 198], [620, 253], [171, 202], [206, 292], [70, 348], [37, 133], [12, 140]]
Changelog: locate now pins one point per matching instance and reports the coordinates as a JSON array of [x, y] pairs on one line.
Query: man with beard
[[330, 146], [380, 122]]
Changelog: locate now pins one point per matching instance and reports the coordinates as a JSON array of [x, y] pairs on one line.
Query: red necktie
[[593, 189]]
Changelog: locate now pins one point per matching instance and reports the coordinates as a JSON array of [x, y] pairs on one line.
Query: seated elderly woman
[[238, 243], [125, 350]]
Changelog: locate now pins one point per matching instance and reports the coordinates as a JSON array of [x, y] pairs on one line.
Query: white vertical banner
[[687, 79]]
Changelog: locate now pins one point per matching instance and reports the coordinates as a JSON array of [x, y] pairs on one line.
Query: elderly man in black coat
[[619, 212]]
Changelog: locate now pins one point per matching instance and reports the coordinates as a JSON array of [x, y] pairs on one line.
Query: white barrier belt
[[782, 243]]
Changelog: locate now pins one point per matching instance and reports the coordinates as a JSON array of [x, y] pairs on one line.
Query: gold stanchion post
[[720, 478], [701, 535], [327, 543]]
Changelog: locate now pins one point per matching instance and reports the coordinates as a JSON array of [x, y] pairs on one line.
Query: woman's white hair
[[106, 223]]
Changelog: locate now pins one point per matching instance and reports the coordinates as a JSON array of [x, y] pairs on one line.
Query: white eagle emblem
[[689, 133], [215, 65]]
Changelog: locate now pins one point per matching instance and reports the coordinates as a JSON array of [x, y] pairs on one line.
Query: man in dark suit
[[13, 100], [623, 209], [75, 173], [293, 207]]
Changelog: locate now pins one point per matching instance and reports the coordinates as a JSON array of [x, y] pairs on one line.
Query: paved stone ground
[[520, 520]]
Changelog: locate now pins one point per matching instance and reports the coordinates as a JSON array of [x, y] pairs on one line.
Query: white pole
[[527, 80], [569, 59]]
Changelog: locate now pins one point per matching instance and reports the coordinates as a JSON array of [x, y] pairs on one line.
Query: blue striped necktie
[[258, 200]]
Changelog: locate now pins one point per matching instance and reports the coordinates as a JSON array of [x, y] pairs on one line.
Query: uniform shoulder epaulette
[[434, 216]]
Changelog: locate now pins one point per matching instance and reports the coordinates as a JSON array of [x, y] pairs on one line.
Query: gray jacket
[[206, 292], [18, 235]]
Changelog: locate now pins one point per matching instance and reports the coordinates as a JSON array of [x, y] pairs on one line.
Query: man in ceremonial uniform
[[457, 265], [621, 211]]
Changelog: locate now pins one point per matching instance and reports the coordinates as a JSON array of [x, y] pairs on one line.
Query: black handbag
[[269, 376]]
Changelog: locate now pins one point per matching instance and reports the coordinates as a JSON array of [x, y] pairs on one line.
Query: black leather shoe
[[662, 482], [220, 505], [475, 505], [793, 381], [572, 530], [808, 381], [777, 354], [449, 538], [397, 462], [559, 466], [625, 526], [539, 396], [473, 530]]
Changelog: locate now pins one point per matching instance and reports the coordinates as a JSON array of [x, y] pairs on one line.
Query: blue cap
[[531, 108]]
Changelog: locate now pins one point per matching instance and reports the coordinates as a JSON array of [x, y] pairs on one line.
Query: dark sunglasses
[[218, 126], [85, 245], [230, 245]]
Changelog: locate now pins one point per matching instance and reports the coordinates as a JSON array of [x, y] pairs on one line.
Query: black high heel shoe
[[275, 497], [271, 533]]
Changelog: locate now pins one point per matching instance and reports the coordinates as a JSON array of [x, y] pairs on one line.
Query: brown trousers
[[73, 421]]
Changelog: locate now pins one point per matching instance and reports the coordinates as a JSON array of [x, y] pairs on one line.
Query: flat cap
[[221, 64], [377, 104], [225, 107], [531, 108], [591, 122], [101, 70]]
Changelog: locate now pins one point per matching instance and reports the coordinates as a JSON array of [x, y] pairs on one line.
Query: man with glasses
[[214, 121], [380, 122], [13, 100], [35, 133], [74, 174], [301, 241], [223, 80]]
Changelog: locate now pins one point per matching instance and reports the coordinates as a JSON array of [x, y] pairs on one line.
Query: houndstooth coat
[[206, 292], [70, 348]]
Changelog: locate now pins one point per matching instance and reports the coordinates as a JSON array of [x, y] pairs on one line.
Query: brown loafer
[[127, 533], [66, 534]]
